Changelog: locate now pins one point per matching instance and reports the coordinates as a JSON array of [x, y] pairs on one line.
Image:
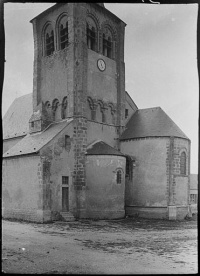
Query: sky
[[160, 59]]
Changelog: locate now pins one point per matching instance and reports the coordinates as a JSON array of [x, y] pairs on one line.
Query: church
[[78, 146]]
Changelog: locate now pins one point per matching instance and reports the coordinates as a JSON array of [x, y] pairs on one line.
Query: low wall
[[27, 215], [156, 212], [147, 212]]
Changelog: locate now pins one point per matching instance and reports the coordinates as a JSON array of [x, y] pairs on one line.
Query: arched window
[[55, 105], [91, 38], [119, 176], [48, 109], [49, 40], [92, 33], [111, 114], [91, 109], [63, 35], [100, 115], [103, 115], [183, 163], [107, 43], [64, 108]]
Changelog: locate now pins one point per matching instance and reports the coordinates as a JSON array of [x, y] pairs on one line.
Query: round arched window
[[183, 163]]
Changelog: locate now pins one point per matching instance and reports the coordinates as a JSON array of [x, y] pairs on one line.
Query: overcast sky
[[160, 59]]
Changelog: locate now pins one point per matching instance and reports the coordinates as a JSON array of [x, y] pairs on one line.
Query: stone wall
[[105, 198], [156, 177], [147, 188], [58, 161], [22, 189]]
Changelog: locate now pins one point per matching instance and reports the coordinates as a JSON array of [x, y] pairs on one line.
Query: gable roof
[[101, 148], [15, 121], [151, 122], [32, 143]]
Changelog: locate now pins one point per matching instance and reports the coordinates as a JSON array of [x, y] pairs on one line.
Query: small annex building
[[78, 146]]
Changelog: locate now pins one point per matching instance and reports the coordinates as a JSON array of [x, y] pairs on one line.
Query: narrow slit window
[[119, 177], [126, 113], [67, 142], [183, 163]]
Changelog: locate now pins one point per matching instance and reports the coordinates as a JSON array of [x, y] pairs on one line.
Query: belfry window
[[64, 36], [107, 46], [183, 163], [49, 43], [91, 37]]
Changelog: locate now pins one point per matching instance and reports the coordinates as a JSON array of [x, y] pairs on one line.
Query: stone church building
[[78, 146]]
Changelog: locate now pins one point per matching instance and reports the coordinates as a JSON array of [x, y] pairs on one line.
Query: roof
[[15, 121], [193, 181], [32, 143], [101, 5], [151, 122], [131, 100], [101, 148]]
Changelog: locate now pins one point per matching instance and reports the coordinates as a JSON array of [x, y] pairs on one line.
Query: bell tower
[[78, 64], [79, 73]]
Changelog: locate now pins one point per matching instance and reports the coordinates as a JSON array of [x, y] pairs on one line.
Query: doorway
[[65, 199]]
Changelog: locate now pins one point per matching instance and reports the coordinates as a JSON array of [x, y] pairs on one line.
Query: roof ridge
[[156, 107]]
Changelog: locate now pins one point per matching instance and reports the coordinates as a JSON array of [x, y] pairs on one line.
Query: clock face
[[101, 64]]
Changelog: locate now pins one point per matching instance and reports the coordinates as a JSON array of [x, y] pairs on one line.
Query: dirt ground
[[134, 246]]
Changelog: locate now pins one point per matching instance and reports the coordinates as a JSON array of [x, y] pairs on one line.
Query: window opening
[[49, 43], [103, 117], [119, 177], [91, 37], [107, 46], [65, 180], [126, 113], [93, 115], [67, 142], [63, 36], [183, 163], [64, 108], [193, 198]]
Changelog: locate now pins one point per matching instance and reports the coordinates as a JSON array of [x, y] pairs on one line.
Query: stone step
[[67, 216]]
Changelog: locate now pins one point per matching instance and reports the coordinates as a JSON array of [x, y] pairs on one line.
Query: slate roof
[[193, 181], [15, 121], [151, 122], [101, 148], [32, 143]]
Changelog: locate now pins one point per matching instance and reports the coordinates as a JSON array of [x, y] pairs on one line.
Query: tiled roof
[[193, 181], [151, 122], [101, 148], [31, 143], [15, 121]]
